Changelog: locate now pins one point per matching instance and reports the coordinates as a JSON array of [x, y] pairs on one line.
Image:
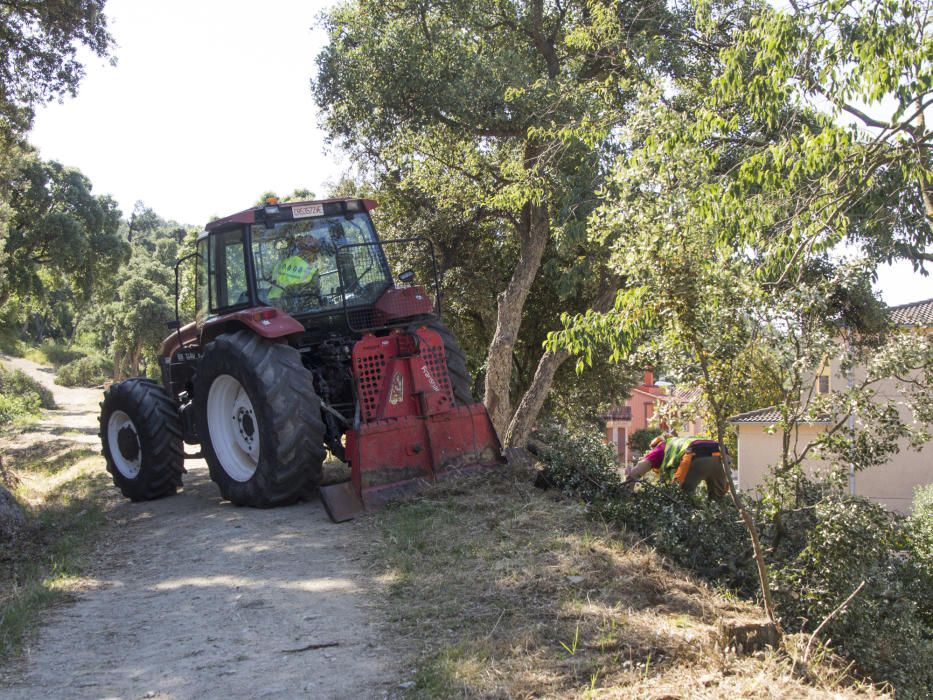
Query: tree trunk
[[117, 364], [38, 324], [527, 412], [534, 230], [134, 358], [747, 519]]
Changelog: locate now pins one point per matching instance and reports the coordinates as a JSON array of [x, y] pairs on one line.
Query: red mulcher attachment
[[410, 432]]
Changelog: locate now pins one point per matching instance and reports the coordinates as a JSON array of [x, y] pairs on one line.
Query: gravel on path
[[191, 597]]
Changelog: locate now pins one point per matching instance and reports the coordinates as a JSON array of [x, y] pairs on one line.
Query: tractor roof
[[248, 216]]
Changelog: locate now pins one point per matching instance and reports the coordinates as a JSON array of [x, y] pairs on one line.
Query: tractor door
[[227, 272]]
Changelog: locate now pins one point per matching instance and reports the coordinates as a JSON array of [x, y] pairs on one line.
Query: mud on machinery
[[301, 341]]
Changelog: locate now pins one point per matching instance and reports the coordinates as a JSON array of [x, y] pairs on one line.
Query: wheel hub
[[247, 427], [128, 443], [234, 427], [123, 441]]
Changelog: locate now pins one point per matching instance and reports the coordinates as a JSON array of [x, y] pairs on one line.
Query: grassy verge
[[499, 590], [22, 398], [75, 364], [52, 353], [65, 496]]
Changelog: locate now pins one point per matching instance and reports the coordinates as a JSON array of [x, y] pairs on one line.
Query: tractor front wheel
[[140, 433], [260, 420]]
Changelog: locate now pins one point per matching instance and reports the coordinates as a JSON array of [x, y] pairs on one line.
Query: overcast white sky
[[209, 106]]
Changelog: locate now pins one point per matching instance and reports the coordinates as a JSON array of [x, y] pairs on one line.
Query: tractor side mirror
[[173, 324], [407, 276]]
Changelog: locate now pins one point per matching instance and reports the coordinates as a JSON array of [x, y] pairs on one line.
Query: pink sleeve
[[655, 455]]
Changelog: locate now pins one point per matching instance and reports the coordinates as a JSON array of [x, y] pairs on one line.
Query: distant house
[[638, 410], [891, 484]]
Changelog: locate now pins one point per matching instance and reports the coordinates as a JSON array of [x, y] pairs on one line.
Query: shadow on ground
[[198, 598]]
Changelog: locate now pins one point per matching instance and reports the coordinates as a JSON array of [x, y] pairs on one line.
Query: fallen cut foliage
[[500, 590]]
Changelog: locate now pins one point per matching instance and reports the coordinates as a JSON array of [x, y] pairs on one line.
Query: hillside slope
[[497, 589]]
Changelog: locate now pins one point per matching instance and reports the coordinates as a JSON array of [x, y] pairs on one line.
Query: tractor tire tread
[[461, 382], [291, 441], [155, 416]]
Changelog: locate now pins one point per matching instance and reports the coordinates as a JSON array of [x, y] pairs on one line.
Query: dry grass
[[66, 494], [500, 590]]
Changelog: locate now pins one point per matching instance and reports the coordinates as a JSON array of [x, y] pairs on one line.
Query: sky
[[209, 105]]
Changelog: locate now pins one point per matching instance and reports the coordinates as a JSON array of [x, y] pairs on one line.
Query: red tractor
[[301, 341]]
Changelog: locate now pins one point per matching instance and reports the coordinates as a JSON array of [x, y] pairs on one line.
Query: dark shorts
[[708, 469]]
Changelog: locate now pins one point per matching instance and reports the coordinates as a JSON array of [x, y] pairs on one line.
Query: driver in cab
[[299, 271]]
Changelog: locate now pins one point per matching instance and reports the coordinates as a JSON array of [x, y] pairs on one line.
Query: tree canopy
[[39, 42], [60, 228], [466, 110], [844, 86]]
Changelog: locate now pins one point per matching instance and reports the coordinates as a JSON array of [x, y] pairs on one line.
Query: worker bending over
[[686, 461]]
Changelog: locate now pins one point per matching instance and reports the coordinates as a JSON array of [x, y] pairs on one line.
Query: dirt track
[[194, 598]]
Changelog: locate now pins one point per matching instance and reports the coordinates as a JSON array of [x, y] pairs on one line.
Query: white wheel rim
[[125, 462], [234, 428]]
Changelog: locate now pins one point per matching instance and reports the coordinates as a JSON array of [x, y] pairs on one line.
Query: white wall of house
[[760, 450], [891, 484]]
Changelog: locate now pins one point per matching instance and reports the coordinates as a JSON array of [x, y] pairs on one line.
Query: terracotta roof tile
[[761, 415], [917, 313], [686, 394], [768, 416]]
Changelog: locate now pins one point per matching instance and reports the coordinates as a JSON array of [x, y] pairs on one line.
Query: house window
[[824, 384]]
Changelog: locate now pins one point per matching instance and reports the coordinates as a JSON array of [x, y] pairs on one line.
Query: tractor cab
[[303, 258], [320, 263]]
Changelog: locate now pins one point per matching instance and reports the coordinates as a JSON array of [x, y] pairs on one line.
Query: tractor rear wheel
[[259, 419], [140, 431], [460, 380]]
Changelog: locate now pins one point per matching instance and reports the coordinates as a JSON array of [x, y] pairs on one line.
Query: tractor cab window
[[296, 264], [227, 266], [201, 298]]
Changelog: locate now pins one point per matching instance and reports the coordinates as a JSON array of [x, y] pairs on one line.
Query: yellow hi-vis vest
[[291, 271], [674, 451]]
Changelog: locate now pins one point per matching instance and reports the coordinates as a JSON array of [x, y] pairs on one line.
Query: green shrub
[[705, 536], [919, 548], [9, 341], [852, 540], [920, 524], [580, 463], [92, 370], [15, 407], [52, 352], [17, 383], [21, 396]]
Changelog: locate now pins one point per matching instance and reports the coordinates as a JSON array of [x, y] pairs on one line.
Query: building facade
[[638, 412], [891, 484]]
